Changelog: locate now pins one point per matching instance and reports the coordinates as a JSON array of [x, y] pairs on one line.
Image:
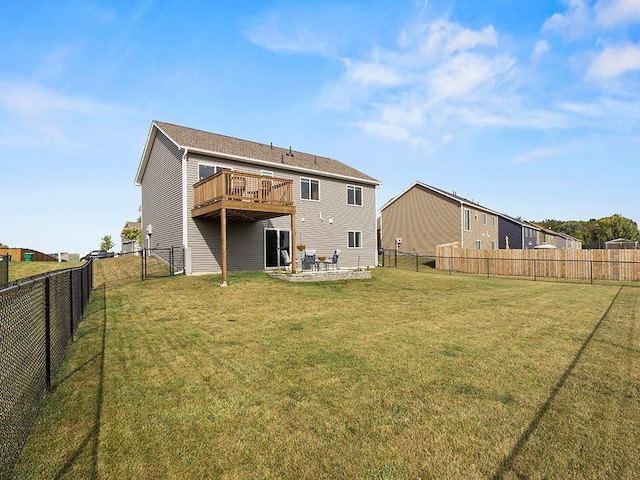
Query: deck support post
[[223, 245], [293, 243]]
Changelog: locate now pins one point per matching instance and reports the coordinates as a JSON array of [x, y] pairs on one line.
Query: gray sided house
[[238, 205], [129, 245], [423, 217], [520, 234]]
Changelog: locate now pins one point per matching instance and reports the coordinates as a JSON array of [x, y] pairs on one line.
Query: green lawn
[[406, 375], [18, 270]]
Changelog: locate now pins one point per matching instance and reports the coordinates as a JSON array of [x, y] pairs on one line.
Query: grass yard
[[18, 270], [407, 375]]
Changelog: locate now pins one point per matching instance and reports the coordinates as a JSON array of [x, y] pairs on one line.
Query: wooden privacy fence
[[17, 255], [620, 265]]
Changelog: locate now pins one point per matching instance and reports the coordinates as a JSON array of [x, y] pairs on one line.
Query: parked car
[[98, 254]]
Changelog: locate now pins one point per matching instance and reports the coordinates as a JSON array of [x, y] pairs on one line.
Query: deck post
[[293, 243], [223, 245]]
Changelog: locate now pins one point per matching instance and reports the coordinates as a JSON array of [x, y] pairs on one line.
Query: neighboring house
[[129, 245], [567, 242], [558, 240], [239, 205], [549, 237], [423, 217], [621, 244], [520, 234]]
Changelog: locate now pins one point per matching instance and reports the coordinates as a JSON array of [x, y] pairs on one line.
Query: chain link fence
[[417, 262], [162, 262], [38, 318]]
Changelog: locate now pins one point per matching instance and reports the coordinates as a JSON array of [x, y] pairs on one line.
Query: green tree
[[133, 233], [2, 245], [616, 226], [106, 243], [575, 228]]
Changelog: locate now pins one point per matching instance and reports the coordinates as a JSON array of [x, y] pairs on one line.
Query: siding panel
[[162, 195], [423, 219], [245, 240]]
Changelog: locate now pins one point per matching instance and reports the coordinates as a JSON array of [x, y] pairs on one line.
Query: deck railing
[[230, 185]]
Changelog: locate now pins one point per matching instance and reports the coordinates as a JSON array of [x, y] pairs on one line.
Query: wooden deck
[[243, 196]]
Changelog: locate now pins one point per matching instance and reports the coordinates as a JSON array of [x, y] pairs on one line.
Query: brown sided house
[[239, 205], [423, 217]]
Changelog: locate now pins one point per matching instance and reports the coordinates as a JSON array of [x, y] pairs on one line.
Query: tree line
[[594, 233]]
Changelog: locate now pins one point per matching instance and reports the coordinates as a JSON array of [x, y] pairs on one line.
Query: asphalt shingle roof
[[216, 143]]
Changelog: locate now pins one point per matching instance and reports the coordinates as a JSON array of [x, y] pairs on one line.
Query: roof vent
[[271, 145], [290, 154], [282, 161]]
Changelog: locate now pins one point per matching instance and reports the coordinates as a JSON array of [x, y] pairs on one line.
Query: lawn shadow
[[91, 440], [507, 463]]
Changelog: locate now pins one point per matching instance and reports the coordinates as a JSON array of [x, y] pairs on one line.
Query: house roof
[[131, 225], [451, 196], [621, 240], [213, 144], [554, 233], [521, 222]]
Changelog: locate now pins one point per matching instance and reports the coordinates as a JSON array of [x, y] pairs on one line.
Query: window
[[355, 239], [467, 219], [266, 173], [478, 244], [493, 245], [354, 195], [309, 189], [493, 221], [484, 218], [205, 170]]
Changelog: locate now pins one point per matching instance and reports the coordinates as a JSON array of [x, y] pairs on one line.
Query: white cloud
[[581, 20], [575, 22], [297, 39], [466, 73], [541, 48], [537, 155], [29, 100], [615, 61], [445, 38], [33, 115], [610, 13], [367, 73]]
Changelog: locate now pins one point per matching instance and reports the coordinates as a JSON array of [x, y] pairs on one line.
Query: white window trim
[[216, 165], [354, 196], [310, 189], [355, 238], [466, 225]]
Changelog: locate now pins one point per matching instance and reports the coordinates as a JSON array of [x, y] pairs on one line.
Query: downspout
[[185, 209], [187, 265], [461, 225]]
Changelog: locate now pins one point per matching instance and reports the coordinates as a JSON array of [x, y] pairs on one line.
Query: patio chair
[[333, 261], [285, 259], [309, 262]]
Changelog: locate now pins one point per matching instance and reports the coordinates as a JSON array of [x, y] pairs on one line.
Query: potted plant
[[300, 247]]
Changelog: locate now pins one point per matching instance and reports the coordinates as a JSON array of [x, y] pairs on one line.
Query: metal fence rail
[[4, 270], [38, 318], [170, 261]]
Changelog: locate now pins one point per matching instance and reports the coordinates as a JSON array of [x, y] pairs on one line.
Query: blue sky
[[530, 108]]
